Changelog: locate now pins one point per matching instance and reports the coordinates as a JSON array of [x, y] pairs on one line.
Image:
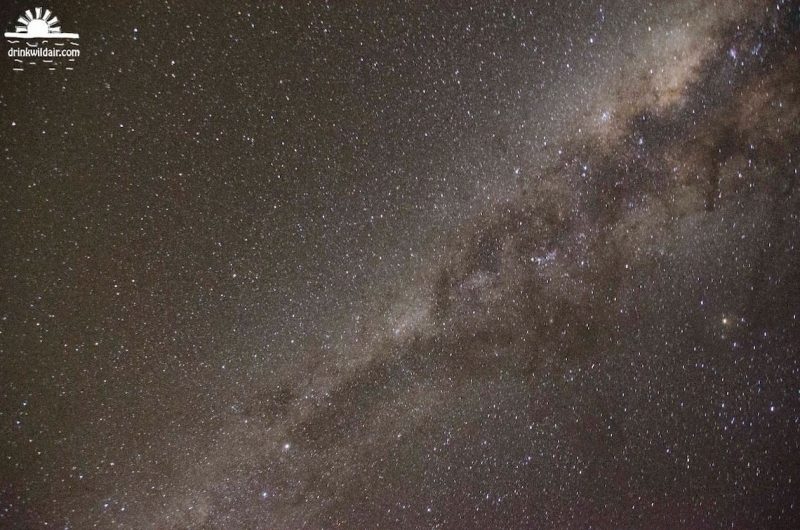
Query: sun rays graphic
[[37, 24]]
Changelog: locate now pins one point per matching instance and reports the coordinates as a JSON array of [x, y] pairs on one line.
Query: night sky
[[403, 265]]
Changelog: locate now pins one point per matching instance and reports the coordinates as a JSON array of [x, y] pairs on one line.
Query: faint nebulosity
[[404, 265]]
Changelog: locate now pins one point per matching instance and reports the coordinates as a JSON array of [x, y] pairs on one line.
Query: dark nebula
[[512, 265]]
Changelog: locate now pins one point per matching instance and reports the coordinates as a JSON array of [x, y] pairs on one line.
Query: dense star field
[[404, 265]]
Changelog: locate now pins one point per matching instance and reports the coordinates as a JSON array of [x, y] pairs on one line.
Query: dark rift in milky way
[[612, 250], [523, 281], [554, 274], [488, 264]]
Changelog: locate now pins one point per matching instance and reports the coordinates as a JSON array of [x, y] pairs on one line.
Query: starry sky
[[403, 265]]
